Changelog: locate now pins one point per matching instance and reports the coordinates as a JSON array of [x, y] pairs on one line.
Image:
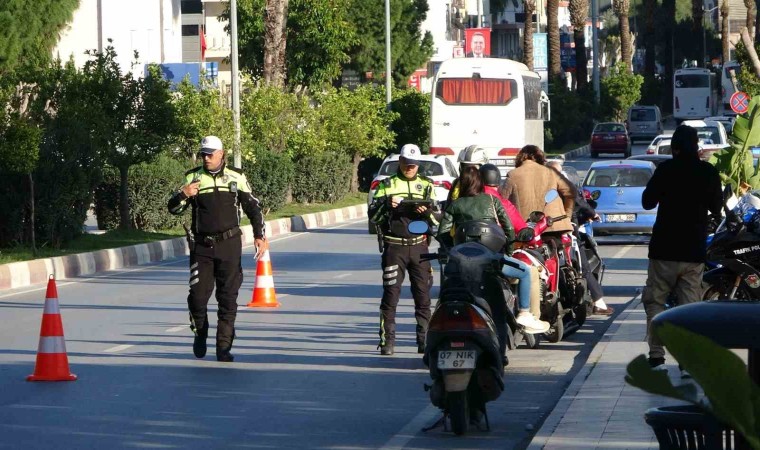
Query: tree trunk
[[757, 21], [530, 9], [751, 12], [726, 50], [625, 41], [282, 66], [124, 222], [274, 18], [749, 44], [650, 7], [355, 177], [578, 16], [552, 31], [32, 236], [669, 10], [698, 17]]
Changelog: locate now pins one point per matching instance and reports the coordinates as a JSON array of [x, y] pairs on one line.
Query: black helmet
[[490, 175]]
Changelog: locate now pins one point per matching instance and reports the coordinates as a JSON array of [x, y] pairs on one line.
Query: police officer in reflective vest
[[401, 249], [216, 192]]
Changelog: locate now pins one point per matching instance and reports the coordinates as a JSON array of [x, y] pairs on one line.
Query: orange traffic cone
[[52, 362], [263, 290]]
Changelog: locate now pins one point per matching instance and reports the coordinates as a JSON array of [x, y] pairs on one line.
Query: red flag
[[203, 44]]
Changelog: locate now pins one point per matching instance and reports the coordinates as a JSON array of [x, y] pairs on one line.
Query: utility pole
[[595, 47], [387, 53], [235, 82]]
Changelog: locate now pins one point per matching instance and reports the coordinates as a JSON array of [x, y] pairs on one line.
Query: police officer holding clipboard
[[399, 200]]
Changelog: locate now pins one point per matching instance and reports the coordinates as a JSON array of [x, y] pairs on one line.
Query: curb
[[37, 271], [580, 151], [541, 438]]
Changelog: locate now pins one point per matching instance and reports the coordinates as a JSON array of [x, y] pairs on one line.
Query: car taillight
[[457, 316], [509, 152], [650, 151], [374, 185], [678, 105], [595, 137], [621, 137], [444, 184], [441, 151]]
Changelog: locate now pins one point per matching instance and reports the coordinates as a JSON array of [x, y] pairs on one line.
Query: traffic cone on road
[[263, 288], [52, 361]]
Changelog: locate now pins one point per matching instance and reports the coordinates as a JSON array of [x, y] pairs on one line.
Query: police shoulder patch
[[235, 170], [196, 169]]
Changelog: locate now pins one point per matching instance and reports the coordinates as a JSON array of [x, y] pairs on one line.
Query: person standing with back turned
[[685, 189]]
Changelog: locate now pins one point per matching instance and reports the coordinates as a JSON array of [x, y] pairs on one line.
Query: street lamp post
[[235, 82]]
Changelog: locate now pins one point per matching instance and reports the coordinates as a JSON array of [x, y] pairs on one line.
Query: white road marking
[[426, 417], [620, 253], [118, 348], [166, 263], [343, 275], [309, 286], [175, 329]]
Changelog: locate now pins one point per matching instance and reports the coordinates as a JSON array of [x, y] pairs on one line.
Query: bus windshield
[[476, 91], [692, 81]]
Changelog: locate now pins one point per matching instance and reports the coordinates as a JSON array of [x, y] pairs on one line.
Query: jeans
[[514, 268]]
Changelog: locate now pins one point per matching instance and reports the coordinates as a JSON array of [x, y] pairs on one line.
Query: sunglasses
[[202, 155]]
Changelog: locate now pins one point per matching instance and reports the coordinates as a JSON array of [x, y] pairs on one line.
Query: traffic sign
[[739, 102]]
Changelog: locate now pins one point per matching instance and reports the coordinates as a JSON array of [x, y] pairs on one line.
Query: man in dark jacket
[[686, 190]]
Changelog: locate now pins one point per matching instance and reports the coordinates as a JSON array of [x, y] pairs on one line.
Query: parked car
[[728, 122], [617, 187], [709, 130], [643, 122], [653, 145], [436, 167], [654, 159], [610, 137]]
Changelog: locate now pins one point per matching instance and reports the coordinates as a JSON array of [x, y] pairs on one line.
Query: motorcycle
[[733, 251], [467, 337], [563, 288]]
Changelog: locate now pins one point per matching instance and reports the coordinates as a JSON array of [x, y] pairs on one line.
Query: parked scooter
[[471, 326], [563, 288]]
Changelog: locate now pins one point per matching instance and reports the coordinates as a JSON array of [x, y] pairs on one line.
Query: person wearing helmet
[[474, 204], [401, 249], [472, 155], [491, 182]]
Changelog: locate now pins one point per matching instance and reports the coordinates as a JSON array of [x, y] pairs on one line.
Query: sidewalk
[[599, 409]]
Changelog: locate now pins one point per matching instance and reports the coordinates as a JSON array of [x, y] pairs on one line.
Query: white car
[[728, 122], [663, 147], [709, 130], [651, 150], [436, 167]]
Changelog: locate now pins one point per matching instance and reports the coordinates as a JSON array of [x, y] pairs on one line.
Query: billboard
[[477, 42], [540, 52], [176, 72]]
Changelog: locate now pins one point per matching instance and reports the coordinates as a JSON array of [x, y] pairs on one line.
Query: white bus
[[727, 86], [495, 103], [695, 94]]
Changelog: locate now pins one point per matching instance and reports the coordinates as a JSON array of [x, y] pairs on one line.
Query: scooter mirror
[[535, 216], [525, 235], [551, 196], [418, 227]]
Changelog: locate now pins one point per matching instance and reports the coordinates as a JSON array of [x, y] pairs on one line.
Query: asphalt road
[[306, 375]]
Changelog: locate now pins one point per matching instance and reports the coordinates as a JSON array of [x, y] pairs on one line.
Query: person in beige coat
[[530, 180]]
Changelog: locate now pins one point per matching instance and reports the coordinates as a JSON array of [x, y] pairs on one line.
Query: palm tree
[[275, 21], [621, 8], [530, 8], [697, 15], [650, 7], [750, 4], [724, 10], [578, 15], [552, 32]]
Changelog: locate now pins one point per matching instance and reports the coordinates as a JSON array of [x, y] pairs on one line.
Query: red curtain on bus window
[[475, 91]]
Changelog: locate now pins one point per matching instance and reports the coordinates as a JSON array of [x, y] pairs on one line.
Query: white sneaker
[[531, 324]]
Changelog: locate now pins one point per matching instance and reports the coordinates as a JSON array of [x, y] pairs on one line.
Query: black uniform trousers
[[218, 264], [396, 260]]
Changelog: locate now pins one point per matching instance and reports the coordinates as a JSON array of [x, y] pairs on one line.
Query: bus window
[[476, 91], [692, 81]]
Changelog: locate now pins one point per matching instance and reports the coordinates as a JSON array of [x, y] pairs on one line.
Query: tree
[[698, 23], [138, 118], [31, 30], [620, 90], [275, 41], [578, 15], [316, 48], [200, 112], [650, 9], [621, 8], [552, 31], [530, 9], [751, 12], [725, 49], [410, 50]]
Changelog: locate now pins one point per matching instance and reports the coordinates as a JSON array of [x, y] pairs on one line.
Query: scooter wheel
[[555, 333], [532, 340], [459, 412]]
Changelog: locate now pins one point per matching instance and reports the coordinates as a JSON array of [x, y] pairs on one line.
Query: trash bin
[[689, 428]]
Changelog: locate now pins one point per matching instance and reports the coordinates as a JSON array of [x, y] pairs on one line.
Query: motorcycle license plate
[[621, 217], [457, 359]]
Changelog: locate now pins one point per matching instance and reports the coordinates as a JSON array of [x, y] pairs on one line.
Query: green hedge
[[270, 175], [150, 186], [322, 177]]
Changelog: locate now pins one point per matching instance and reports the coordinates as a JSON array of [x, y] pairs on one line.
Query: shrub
[[412, 125], [571, 119], [150, 186], [270, 175], [321, 177], [620, 90]]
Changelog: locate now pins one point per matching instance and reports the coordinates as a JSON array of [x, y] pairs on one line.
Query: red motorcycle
[[562, 285]]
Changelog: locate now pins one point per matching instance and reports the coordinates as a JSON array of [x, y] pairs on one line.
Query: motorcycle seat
[[456, 294]]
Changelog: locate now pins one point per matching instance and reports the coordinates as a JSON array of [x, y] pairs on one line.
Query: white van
[[643, 122]]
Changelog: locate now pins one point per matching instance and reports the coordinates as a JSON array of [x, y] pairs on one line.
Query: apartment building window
[[189, 30], [191, 7]]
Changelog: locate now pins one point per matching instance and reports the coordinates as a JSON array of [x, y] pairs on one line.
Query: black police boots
[[224, 355], [386, 350], [199, 344]]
